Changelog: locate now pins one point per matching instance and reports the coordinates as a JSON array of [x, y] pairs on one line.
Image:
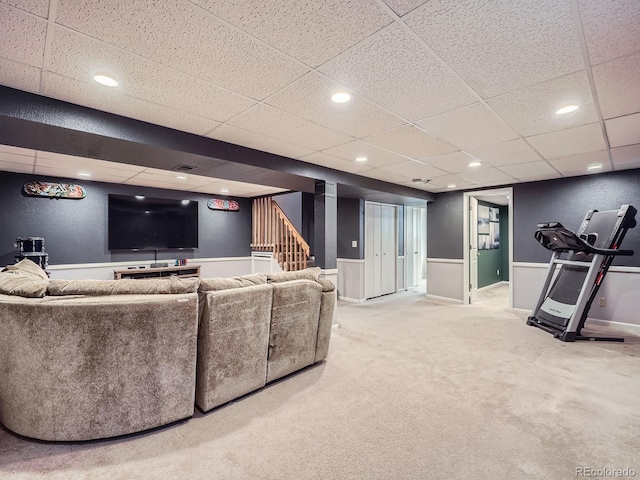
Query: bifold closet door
[[373, 251], [388, 247], [380, 249]]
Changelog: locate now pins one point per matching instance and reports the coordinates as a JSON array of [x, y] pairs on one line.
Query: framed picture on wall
[[483, 219], [494, 214], [494, 235]]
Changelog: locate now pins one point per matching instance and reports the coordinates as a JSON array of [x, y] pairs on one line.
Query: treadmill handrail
[[564, 240]]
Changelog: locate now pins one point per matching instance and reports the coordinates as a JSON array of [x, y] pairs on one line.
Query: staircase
[[273, 232]]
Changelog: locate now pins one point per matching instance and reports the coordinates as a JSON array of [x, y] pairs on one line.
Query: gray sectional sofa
[[90, 359], [258, 328]]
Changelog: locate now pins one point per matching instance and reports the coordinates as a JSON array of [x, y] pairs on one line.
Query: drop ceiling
[[435, 84]]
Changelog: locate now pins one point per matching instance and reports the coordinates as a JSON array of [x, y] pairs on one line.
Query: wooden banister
[[272, 231]]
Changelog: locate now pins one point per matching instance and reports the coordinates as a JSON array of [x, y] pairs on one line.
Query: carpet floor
[[412, 389]]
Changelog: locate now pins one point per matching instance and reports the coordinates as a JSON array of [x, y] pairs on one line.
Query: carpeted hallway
[[412, 389]]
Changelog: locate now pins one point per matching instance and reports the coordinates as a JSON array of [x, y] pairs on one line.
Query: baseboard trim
[[351, 300], [444, 299]]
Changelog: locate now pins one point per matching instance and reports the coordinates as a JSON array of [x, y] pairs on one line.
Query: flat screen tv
[[144, 223]]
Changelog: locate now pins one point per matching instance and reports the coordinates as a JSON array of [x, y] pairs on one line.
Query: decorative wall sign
[[218, 204], [56, 190]]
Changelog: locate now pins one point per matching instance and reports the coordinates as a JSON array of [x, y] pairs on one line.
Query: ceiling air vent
[[183, 168]]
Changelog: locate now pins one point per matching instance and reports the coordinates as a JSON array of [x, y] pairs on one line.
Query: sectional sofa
[[89, 359]]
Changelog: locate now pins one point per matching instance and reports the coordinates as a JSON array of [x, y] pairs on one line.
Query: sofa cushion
[[24, 279], [27, 267], [214, 284], [147, 286], [312, 273]]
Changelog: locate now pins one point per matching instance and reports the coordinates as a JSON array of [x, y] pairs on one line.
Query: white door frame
[[465, 235]]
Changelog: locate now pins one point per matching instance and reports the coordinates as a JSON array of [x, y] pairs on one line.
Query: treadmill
[[584, 259]]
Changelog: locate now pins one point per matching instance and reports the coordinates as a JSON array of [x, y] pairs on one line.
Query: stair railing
[[272, 231]]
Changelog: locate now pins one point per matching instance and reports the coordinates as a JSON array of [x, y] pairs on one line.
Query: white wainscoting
[[444, 278], [209, 267], [620, 288], [351, 280], [400, 274]]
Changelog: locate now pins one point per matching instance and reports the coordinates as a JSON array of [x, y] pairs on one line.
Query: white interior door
[[473, 249]]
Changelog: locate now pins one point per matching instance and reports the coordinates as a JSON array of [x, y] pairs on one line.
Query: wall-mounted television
[[138, 222]]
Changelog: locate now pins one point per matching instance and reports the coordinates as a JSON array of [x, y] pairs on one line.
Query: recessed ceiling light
[[475, 163], [453, 185], [140, 197], [84, 174], [567, 109], [341, 97], [181, 177], [185, 202], [595, 166], [224, 190], [361, 159], [106, 81], [147, 211]]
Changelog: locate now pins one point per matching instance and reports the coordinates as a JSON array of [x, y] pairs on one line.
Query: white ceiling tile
[[534, 179], [238, 136], [395, 70], [623, 130], [15, 167], [506, 153], [19, 75], [487, 175], [501, 46], [446, 180], [37, 7], [66, 172], [271, 122], [376, 157], [618, 86], [452, 162], [9, 157], [415, 170], [77, 56], [628, 166], [611, 28], [427, 187], [524, 171], [93, 168], [470, 126], [402, 7], [17, 150], [310, 98], [629, 155], [52, 159], [186, 180], [385, 176], [96, 96], [23, 36], [411, 142], [334, 26], [185, 37], [583, 139], [531, 111], [329, 161], [153, 184], [578, 164]]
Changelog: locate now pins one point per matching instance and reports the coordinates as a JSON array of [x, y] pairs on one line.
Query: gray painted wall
[[75, 231], [444, 226], [291, 205], [567, 201], [350, 227]]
